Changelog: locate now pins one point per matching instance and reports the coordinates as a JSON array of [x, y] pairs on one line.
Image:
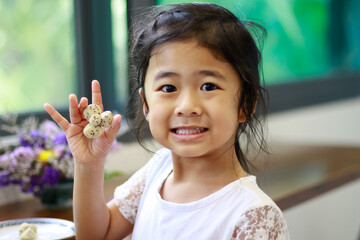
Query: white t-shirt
[[240, 210]]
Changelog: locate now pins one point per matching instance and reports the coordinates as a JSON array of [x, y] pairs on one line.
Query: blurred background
[[311, 66], [49, 49]]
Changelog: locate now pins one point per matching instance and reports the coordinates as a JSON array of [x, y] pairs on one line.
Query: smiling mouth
[[189, 131]]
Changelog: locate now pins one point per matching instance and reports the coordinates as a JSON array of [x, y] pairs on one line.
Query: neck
[[195, 178], [222, 168]]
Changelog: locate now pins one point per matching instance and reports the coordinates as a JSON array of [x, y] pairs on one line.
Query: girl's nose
[[188, 105]]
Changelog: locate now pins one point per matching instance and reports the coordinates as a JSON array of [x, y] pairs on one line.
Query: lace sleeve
[[264, 222], [127, 196]]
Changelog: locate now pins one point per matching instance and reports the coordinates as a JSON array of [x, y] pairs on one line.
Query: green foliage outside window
[[302, 36], [37, 54], [307, 39]]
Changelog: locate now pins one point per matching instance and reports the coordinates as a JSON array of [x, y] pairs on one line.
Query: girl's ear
[[242, 115], [145, 108]]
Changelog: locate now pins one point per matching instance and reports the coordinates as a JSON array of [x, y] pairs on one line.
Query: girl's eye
[[209, 87], [168, 88]]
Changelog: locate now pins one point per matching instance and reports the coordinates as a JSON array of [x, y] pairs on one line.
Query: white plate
[[47, 228]]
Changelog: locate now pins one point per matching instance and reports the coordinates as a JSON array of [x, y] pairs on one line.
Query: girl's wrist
[[89, 166]]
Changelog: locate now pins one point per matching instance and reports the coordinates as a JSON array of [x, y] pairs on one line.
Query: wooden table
[[294, 174], [283, 176], [33, 208]]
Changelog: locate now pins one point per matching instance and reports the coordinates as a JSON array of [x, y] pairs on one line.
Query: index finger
[[57, 117], [96, 94]]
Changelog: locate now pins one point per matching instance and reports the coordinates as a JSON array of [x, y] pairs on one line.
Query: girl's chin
[[188, 152]]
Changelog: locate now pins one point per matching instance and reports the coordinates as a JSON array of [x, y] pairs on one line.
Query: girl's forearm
[[91, 214]]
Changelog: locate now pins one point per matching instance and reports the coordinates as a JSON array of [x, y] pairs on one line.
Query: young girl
[[197, 77]]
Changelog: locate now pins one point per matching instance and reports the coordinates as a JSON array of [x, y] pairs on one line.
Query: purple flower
[[51, 175], [5, 177], [25, 154], [62, 151], [60, 139], [34, 139], [23, 141], [49, 128], [32, 185], [38, 137]]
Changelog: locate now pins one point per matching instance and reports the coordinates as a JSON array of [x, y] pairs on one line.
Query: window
[[306, 39], [37, 54], [49, 49]]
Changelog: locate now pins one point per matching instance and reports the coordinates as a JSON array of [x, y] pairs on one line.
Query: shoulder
[[160, 161], [261, 222], [247, 194], [260, 218], [162, 154]]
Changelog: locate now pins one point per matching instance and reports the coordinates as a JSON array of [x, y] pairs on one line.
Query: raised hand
[[85, 150]]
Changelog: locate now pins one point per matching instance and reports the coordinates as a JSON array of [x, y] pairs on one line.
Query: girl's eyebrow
[[210, 73], [164, 74]]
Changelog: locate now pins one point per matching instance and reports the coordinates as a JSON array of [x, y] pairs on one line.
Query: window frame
[[289, 96], [94, 49]]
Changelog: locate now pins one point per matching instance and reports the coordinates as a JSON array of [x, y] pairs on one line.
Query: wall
[[336, 123]]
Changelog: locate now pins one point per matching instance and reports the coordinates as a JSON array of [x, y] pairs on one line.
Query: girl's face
[[193, 100]]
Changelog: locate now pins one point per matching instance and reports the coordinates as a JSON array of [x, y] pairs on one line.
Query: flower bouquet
[[40, 156]]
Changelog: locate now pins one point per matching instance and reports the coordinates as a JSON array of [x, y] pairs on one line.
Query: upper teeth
[[189, 131]]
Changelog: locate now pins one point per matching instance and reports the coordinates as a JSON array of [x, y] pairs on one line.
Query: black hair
[[227, 37]]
